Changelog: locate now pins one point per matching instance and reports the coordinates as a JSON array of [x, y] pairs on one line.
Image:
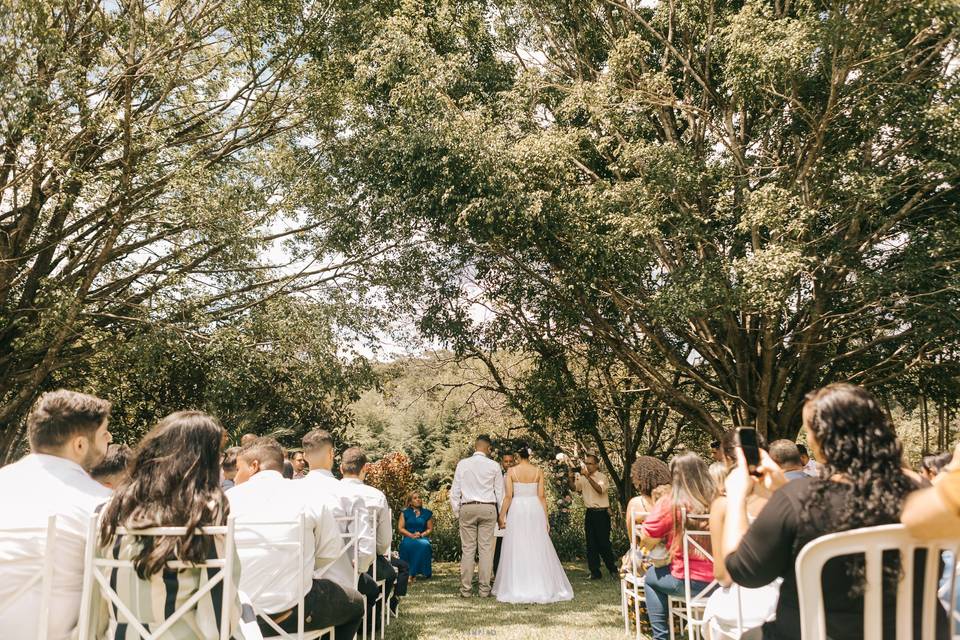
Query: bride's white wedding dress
[[529, 571]]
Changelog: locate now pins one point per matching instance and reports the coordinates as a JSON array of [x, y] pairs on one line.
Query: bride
[[529, 571]]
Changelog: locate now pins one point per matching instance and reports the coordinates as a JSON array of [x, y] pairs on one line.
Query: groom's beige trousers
[[477, 526]]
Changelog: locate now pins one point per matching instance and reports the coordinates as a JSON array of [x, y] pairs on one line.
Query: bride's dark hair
[[523, 451]]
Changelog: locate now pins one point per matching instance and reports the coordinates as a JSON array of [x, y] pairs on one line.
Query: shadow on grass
[[433, 609]]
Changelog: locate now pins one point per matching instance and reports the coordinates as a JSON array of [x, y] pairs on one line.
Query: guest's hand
[[501, 523], [771, 475]]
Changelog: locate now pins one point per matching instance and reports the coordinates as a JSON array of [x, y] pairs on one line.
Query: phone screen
[[747, 440]]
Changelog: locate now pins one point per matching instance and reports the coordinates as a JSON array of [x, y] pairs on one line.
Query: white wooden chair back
[[278, 545], [871, 542], [94, 578], [631, 586], [350, 533], [45, 558]]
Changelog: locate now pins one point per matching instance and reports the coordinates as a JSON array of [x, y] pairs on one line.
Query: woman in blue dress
[[415, 525]]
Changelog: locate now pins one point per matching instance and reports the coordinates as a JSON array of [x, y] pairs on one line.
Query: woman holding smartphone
[[862, 486]]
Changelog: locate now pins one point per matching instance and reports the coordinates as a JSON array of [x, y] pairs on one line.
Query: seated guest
[[403, 577], [270, 576], [648, 475], [718, 473], [247, 438], [174, 482], [287, 470], [229, 466], [68, 436], [321, 486], [112, 470], [861, 485], [931, 466], [415, 525], [725, 616], [787, 455], [693, 490], [353, 469], [298, 463], [810, 466]]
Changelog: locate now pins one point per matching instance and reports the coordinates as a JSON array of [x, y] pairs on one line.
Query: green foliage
[[394, 475]]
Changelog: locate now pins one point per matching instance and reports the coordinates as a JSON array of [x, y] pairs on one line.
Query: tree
[[150, 162], [739, 200]]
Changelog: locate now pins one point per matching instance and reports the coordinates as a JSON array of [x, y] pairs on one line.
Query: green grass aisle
[[433, 610]]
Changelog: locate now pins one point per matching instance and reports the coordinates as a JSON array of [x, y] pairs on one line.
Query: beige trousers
[[477, 538]]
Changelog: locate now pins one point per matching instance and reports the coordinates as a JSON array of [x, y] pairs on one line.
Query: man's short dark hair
[[60, 415], [116, 461], [483, 437], [317, 439], [802, 448], [353, 461], [229, 462], [596, 459], [266, 451], [785, 452], [292, 453]]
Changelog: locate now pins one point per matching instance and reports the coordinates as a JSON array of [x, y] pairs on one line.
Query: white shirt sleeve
[[498, 487], [455, 496], [384, 529]]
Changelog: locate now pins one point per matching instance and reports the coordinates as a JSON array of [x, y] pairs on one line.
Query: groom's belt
[[475, 502]]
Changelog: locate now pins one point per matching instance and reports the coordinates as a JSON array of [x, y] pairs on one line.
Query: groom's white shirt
[[477, 479]]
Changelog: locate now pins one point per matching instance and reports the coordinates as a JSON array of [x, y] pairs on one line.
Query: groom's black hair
[[484, 438]]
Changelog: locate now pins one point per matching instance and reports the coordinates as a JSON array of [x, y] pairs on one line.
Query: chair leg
[[636, 612], [623, 607]]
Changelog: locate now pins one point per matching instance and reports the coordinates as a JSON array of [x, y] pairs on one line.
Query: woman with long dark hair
[[861, 485], [174, 481], [692, 492]]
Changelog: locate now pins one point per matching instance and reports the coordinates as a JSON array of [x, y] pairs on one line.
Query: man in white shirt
[[271, 576], [69, 435], [475, 498], [353, 464]]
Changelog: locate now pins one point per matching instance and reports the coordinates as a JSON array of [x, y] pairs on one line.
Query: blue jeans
[[657, 585]]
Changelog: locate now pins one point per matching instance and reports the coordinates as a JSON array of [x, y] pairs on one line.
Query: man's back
[[31, 490], [375, 501], [323, 488], [269, 574], [477, 479]]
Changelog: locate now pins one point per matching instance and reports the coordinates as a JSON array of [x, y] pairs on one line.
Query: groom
[[475, 497]]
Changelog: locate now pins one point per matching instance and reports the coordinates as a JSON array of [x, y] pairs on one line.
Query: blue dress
[[417, 551]]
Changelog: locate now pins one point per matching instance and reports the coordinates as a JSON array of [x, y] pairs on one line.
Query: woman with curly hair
[[647, 473], [174, 481], [861, 485]]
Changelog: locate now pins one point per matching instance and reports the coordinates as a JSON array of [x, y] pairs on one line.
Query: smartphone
[[747, 440]]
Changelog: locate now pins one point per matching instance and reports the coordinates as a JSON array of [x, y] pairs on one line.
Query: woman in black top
[[861, 485]]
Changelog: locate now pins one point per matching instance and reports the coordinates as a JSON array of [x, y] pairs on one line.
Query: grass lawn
[[432, 609]]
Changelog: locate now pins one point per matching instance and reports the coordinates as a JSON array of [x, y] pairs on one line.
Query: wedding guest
[[247, 438], [507, 460], [403, 578], [786, 453], [651, 481], [592, 485], [229, 467], [932, 465], [174, 481], [353, 469], [810, 466], [263, 494], [68, 434], [286, 470], [724, 616], [715, 453], [416, 525], [693, 491], [647, 473], [321, 486], [718, 473], [934, 513], [299, 464], [112, 470], [861, 485]]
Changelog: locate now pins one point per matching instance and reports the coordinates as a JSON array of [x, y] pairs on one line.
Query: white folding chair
[[45, 558], [277, 544], [94, 577], [381, 583], [690, 609], [871, 542], [350, 532], [631, 585]]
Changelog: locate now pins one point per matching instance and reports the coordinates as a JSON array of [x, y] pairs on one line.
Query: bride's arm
[[507, 499], [543, 498]]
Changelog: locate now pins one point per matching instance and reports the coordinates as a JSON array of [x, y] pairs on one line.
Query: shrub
[[393, 474]]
